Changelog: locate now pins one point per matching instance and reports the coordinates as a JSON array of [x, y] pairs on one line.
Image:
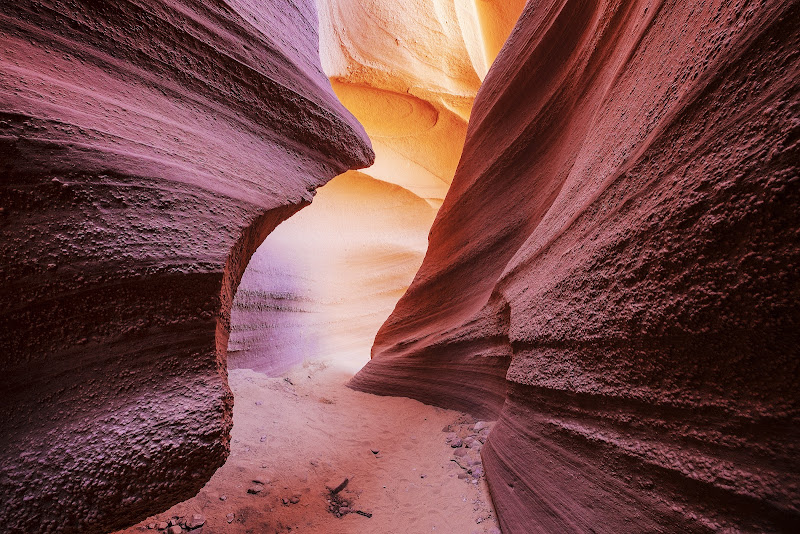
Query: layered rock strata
[[613, 273], [409, 71], [146, 150], [326, 280]]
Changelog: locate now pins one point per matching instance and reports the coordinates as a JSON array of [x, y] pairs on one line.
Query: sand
[[305, 430]]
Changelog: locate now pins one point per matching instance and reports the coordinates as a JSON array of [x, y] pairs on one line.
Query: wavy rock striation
[[613, 272], [410, 80], [325, 280], [409, 71], [146, 150]]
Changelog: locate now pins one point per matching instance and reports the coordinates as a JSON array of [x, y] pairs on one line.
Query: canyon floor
[[299, 435]]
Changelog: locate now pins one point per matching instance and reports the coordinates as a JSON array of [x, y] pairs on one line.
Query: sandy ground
[[297, 434]]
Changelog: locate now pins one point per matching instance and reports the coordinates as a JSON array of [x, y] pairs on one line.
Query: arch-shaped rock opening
[[322, 283]]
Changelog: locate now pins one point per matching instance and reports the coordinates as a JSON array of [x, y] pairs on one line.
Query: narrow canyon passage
[[552, 257], [316, 291]]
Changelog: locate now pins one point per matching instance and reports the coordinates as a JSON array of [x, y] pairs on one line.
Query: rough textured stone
[[613, 272], [146, 150]]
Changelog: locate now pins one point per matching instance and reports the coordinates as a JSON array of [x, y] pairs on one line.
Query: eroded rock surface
[[409, 71], [326, 280], [613, 272], [146, 150]]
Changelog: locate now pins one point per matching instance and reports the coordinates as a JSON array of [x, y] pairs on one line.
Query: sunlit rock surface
[[621, 238], [409, 72], [146, 149], [323, 282]]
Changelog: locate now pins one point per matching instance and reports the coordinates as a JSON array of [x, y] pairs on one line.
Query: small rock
[[196, 521], [477, 471], [151, 526], [162, 525], [374, 451], [294, 499], [174, 529], [229, 518], [259, 403], [285, 501], [255, 489], [456, 443], [463, 475], [460, 453], [480, 425], [223, 497], [263, 439]]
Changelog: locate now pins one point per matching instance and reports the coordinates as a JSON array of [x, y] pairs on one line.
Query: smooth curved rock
[[325, 280], [622, 234], [146, 150], [409, 71]]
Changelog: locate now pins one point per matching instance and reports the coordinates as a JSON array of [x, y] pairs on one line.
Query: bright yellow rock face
[[409, 71]]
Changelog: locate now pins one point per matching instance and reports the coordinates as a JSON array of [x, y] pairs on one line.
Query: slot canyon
[[400, 266]]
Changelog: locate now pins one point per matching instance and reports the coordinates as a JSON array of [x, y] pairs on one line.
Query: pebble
[[295, 499], [223, 497], [151, 526], [460, 453], [229, 518], [162, 525], [255, 489], [263, 439], [456, 443], [174, 529]]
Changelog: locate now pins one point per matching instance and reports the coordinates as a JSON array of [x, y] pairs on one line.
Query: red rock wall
[[621, 236], [146, 149]]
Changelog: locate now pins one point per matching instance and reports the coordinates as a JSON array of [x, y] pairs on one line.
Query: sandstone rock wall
[[613, 272], [326, 280], [146, 150]]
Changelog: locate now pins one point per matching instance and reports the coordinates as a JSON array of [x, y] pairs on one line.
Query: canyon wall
[[325, 281], [146, 150], [613, 272]]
